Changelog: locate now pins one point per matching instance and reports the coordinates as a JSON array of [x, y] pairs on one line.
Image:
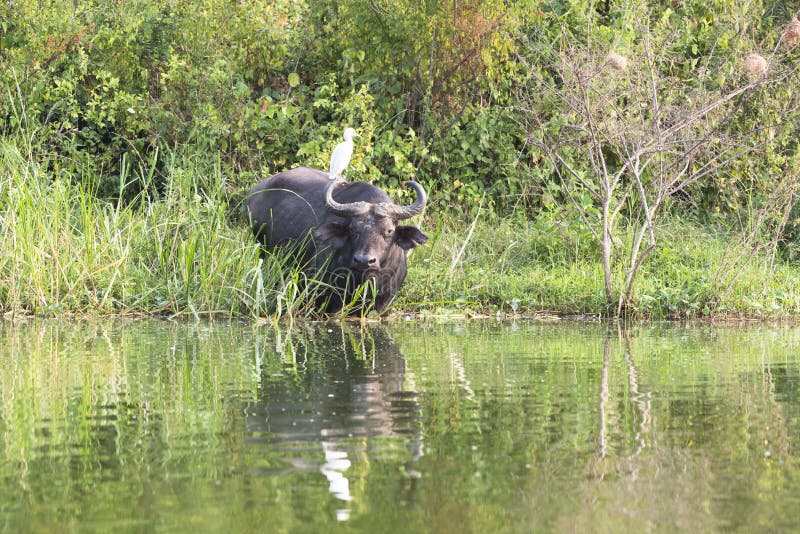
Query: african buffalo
[[348, 230]]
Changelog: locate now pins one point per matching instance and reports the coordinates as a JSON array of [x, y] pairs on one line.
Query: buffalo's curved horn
[[415, 208], [350, 209]]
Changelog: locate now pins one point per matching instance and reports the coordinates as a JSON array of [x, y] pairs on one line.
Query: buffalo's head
[[370, 238]]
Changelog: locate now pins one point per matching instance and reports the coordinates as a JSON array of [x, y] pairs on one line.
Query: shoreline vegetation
[[631, 161], [187, 253]]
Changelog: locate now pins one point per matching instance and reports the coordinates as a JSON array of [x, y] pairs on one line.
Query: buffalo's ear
[[331, 234], [408, 237]]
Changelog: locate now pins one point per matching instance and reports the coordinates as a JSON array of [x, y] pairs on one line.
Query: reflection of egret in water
[[339, 402], [336, 463]]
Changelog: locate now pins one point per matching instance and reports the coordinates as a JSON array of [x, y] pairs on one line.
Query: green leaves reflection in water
[[501, 427]]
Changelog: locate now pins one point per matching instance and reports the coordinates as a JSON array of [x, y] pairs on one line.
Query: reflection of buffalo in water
[[346, 385]]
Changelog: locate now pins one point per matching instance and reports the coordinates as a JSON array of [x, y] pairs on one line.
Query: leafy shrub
[[255, 87]]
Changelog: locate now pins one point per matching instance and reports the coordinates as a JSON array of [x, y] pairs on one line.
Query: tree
[[626, 128]]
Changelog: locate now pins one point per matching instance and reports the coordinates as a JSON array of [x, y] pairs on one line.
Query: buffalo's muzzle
[[363, 262]]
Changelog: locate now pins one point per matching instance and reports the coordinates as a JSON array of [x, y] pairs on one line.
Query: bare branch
[[632, 137]]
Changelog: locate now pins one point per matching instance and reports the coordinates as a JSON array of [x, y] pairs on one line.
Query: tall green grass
[[552, 264], [64, 251], [181, 251]]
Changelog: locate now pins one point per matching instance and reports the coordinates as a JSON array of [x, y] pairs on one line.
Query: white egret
[[340, 157]]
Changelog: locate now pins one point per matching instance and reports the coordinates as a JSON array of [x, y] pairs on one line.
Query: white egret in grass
[[340, 157]]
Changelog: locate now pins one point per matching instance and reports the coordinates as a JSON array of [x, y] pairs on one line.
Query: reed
[[550, 265], [181, 252], [63, 251]]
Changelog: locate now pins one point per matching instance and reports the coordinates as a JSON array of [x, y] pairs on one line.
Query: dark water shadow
[[341, 393]]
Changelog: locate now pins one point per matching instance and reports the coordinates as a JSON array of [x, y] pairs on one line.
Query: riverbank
[[182, 251], [552, 266], [124, 146]]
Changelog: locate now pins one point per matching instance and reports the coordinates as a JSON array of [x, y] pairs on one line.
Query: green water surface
[[155, 426]]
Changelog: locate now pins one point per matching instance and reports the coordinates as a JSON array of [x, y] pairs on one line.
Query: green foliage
[[550, 265], [149, 115], [476, 157], [258, 87], [66, 252], [263, 86]]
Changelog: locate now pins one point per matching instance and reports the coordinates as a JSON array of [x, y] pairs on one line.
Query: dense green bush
[[253, 87], [260, 86]]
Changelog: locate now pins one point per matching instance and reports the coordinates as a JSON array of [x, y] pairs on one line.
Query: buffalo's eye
[[388, 233]]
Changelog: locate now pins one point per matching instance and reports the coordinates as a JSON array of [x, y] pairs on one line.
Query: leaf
[[294, 79]]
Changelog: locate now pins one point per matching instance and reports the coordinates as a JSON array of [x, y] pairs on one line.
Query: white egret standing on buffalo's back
[[340, 157]]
